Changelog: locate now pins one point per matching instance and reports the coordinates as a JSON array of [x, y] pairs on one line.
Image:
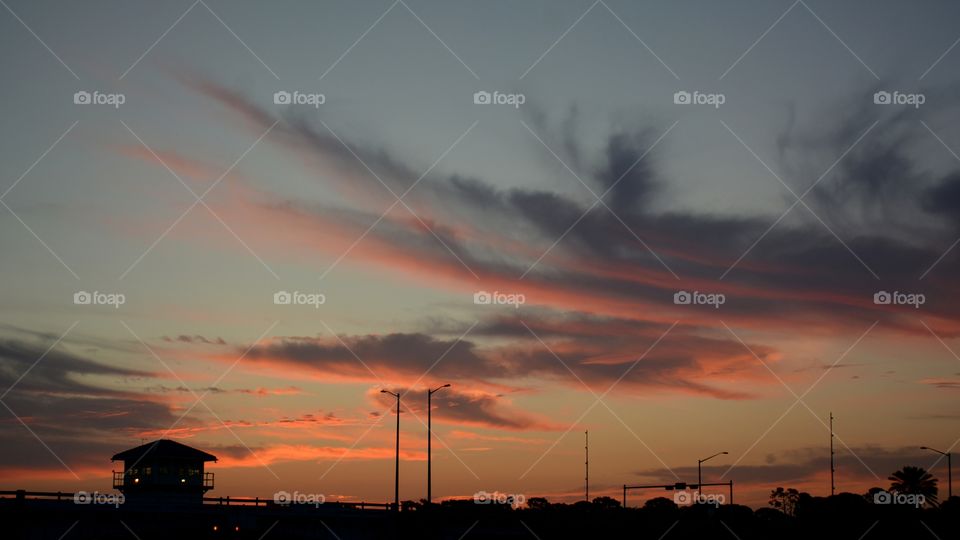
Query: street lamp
[[949, 469], [429, 440], [699, 475], [396, 481]]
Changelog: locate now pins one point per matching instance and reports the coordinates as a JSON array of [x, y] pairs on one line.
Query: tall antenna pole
[[833, 486], [586, 463]]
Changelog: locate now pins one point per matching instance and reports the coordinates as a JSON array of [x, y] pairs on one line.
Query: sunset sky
[[798, 199]]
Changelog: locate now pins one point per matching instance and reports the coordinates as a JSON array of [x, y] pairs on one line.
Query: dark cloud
[[680, 362], [946, 384], [397, 353], [467, 408], [194, 339], [67, 416], [629, 179], [944, 198], [51, 372], [881, 202], [795, 274], [75, 338], [259, 391]]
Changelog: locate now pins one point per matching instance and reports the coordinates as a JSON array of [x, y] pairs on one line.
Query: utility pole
[[396, 480], [949, 469], [833, 486], [586, 463], [429, 441], [700, 471]]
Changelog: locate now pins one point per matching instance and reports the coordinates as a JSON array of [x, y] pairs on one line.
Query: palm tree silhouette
[[914, 481]]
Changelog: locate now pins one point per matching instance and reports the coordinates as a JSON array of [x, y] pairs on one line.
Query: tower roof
[[163, 449]]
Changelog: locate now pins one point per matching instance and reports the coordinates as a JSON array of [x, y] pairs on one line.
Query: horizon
[[685, 228]]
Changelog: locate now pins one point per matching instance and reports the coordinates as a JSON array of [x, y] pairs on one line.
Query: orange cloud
[[285, 453]]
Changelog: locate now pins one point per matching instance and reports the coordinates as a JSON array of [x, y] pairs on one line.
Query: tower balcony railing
[[122, 480]]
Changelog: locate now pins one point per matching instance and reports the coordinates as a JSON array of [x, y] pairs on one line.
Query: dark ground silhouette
[[843, 516]]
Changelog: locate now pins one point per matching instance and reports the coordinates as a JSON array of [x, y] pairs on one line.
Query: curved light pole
[[949, 469], [429, 440], [699, 475], [396, 480]]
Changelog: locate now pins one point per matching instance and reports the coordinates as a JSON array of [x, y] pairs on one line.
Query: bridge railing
[[22, 494], [257, 501]]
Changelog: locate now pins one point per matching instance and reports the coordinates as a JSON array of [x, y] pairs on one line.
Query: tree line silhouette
[[789, 515]]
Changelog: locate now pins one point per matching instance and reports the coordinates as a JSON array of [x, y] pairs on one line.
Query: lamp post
[[949, 469], [699, 474], [396, 480], [429, 441]]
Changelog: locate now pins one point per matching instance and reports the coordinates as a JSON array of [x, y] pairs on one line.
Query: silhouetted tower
[[833, 486], [163, 472]]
